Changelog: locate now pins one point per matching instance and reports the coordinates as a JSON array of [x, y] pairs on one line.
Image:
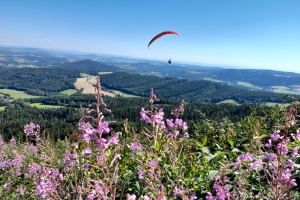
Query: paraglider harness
[[169, 61]]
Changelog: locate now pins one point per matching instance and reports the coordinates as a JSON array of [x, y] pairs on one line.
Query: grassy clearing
[[122, 94], [2, 108], [229, 101], [249, 85], [17, 94], [104, 73], [285, 90], [69, 91], [39, 105], [214, 80], [277, 104]]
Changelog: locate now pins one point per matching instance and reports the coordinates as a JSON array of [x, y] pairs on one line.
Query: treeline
[[190, 90], [61, 122], [39, 81]]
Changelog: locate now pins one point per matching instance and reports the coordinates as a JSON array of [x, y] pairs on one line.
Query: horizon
[[248, 34]]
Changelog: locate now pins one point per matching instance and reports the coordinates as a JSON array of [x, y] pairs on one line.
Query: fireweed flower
[[70, 159], [140, 174], [275, 135], [295, 152], [29, 128], [269, 144], [170, 123], [86, 164], [114, 139], [281, 147], [103, 126], [144, 117], [135, 146], [131, 197], [193, 197], [176, 191], [87, 152], [186, 134], [256, 165], [12, 141], [154, 164], [101, 143]]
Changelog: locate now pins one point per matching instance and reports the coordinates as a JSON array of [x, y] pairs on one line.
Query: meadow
[[17, 94], [39, 105], [167, 158]]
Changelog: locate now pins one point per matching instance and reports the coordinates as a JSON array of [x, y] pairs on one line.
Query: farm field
[[284, 89], [277, 104], [69, 91], [87, 84], [17, 94], [249, 85], [229, 101], [2, 108], [214, 80], [39, 105], [122, 94]]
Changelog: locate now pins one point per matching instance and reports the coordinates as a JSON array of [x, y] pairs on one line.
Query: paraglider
[[160, 35]]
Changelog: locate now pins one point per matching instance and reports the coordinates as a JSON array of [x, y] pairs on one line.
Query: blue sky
[[260, 34]]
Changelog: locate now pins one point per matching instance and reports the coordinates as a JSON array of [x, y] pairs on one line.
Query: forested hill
[[190, 90], [89, 67]]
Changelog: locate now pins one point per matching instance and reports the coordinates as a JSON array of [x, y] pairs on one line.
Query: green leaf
[[231, 143], [204, 140]]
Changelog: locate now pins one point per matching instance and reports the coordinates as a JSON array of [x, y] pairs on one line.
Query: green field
[[214, 80], [229, 101], [116, 92], [277, 104], [69, 91], [17, 94], [39, 105], [285, 90], [249, 85], [2, 108]]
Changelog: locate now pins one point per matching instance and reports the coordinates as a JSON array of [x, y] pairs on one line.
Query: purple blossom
[[103, 126], [193, 197], [101, 143], [170, 123], [281, 147], [135, 146], [295, 152], [114, 139], [256, 165], [131, 197], [140, 174], [269, 144], [29, 128], [275, 135], [87, 152], [70, 159], [86, 164], [144, 116], [209, 196], [154, 164], [12, 141], [186, 134], [184, 126], [176, 191]]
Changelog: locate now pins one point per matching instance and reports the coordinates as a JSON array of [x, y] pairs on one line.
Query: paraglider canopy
[[160, 35]]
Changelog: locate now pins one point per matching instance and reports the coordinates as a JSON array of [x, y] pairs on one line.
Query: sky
[[258, 34]]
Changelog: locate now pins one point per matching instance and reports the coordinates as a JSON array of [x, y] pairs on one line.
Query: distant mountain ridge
[[248, 79]]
